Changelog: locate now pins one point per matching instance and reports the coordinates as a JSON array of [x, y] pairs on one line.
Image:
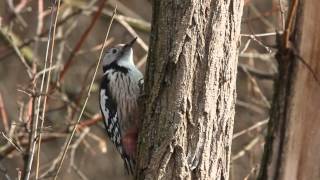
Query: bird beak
[[130, 44]]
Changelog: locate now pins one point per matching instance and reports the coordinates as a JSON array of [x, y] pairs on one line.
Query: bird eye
[[114, 51]]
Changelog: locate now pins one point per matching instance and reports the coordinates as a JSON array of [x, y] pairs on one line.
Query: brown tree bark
[[190, 90], [293, 142]]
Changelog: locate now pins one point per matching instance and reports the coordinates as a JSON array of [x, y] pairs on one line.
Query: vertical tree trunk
[[293, 142], [190, 90]]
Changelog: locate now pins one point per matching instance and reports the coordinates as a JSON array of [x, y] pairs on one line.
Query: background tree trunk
[[190, 90], [293, 141]]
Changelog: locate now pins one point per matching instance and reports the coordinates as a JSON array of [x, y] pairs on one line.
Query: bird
[[120, 89]]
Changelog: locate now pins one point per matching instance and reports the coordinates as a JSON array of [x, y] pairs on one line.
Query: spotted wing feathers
[[108, 109]]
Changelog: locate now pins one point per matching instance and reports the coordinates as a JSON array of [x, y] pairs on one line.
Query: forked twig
[[87, 98]]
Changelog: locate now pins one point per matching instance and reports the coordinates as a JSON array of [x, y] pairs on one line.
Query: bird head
[[120, 54]]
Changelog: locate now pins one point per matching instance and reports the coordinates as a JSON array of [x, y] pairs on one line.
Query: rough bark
[[190, 90], [292, 145]]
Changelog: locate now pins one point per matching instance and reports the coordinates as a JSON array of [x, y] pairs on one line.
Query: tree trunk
[[293, 142], [190, 90]]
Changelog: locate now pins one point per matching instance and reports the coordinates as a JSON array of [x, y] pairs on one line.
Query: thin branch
[[257, 89], [257, 73], [47, 89], [96, 118], [289, 23], [4, 171], [261, 17], [43, 71], [252, 171], [23, 45], [122, 20], [262, 34], [264, 57], [33, 139], [3, 114], [17, 50], [250, 107], [142, 61], [9, 148], [82, 40], [74, 147], [245, 46], [253, 127], [247, 148], [12, 142]]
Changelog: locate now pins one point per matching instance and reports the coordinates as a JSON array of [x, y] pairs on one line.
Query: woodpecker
[[120, 89]]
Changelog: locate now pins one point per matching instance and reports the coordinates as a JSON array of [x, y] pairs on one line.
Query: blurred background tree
[[292, 142]]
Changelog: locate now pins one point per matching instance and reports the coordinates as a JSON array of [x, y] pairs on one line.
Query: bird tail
[[129, 164]]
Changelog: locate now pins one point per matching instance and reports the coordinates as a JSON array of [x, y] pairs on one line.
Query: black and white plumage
[[120, 90]]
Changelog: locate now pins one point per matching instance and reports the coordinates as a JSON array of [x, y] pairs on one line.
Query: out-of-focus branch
[[136, 23], [23, 45], [3, 114], [265, 57], [253, 127], [74, 147], [247, 148], [257, 73], [82, 40], [8, 148], [96, 118], [13, 41]]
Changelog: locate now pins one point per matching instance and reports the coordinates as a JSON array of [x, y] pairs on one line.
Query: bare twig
[[264, 57], [261, 17], [4, 171], [142, 61], [122, 20], [247, 148], [289, 23], [257, 73], [40, 17], [82, 40], [3, 113], [33, 139], [123, 9], [16, 49], [45, 71], [245, 46], [87, 98], [249, 106], [96, 118], [9, 148], [253, 127], [74, 147], [94, 48], [267, 48], [12, 142], [252, 171], [257, 88], [47, 89], [83, 88], [262, 34], [101, 142]]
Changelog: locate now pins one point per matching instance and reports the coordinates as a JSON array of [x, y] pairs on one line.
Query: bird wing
[[109, 112]]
